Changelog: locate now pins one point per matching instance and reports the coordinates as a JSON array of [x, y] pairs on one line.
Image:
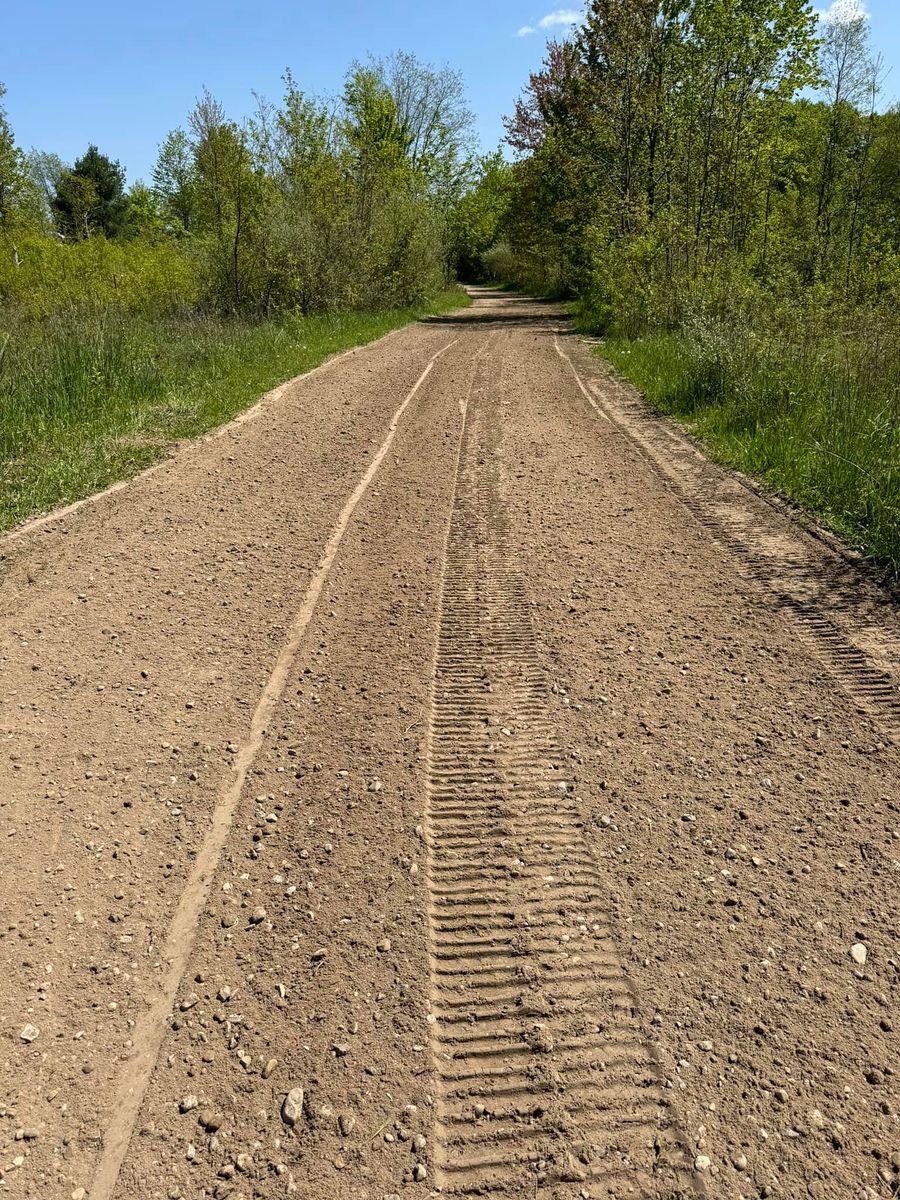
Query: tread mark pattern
[[854, 630], [548, 1087]]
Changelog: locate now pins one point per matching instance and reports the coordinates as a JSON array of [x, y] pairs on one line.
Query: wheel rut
[[548, 1084], [853, 629]]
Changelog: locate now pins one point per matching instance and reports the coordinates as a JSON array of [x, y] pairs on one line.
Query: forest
[[713, 186]]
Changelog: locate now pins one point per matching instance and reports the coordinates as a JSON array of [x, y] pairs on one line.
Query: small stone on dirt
[[187, 1103], [859, 953], [29, 1033], [292, 1108], [419, 1173]]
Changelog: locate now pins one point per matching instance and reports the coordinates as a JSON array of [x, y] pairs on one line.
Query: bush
[[41, 276]]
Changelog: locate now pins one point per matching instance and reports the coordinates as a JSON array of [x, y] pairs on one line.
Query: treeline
[[717, 185], [725, 144], [309, 205]]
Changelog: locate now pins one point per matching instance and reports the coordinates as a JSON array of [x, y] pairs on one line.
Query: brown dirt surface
[[452, 744]]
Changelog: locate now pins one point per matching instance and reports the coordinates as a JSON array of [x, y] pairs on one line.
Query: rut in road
[[832, 606], [548, 1086]]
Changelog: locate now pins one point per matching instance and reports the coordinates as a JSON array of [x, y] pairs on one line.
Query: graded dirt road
[[445, 782]]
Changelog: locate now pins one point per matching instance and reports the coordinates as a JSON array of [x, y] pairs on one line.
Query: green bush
[[41, 276]]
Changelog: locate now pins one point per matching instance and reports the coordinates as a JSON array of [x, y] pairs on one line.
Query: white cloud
[[842, 11], [559, 17], [562, 16]]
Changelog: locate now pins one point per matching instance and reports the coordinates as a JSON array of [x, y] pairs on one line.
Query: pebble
[[187, 1103], [419, 1173], [346, 1124], [269, 1067], [419, 1143], [292, 1109], [258, 916], [702, 1162], [79, 1194], [29, 1033], [739, 1162], [859, 953], [384, 945]]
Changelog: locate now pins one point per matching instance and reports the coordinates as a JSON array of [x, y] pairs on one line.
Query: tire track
[[853, 632], [151, 1027], [547, 1084]]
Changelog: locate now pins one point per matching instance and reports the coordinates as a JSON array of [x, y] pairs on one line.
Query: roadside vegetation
[[716, 185], [132, 317]]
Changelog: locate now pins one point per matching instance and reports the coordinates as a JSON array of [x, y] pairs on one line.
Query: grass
[[815, 417], [90, 398]]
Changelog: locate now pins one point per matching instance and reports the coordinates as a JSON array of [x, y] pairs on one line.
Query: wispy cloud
[[843, 11], [565, 17]]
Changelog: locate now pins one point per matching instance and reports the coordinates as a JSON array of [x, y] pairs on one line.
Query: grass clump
[[812, 409]]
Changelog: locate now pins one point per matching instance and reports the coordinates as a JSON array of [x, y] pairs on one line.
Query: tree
[[16, 193], [849, 76], [433, 115], [175, 179], [46, 170], [144, 216], [479, 218], [228, 199], [75, 205], [99, 183]]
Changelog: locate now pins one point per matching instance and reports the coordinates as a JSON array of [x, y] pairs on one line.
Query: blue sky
[[122, 75]]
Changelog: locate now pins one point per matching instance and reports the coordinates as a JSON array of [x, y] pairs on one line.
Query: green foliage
[[19, 198], [712, 181], [258, 248], [41, 277], [479, 217], [90, 198], [813, 412], [175, 181]]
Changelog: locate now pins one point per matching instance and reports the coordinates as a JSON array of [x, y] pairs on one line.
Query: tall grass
[[812, 410], [89, 397]]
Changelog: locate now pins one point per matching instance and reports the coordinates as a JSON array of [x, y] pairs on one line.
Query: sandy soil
[[446, 744]]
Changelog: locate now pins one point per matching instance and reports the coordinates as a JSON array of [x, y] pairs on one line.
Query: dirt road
[[446, 782]]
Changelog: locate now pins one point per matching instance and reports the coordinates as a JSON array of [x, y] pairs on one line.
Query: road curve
[[453, 742]]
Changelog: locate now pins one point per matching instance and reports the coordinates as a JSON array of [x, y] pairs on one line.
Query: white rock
[[859, 953], [292, 1109]]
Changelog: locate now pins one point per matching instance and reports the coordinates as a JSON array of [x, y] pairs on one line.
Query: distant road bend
[[447, 782]]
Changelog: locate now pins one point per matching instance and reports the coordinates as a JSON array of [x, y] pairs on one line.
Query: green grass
[[817, 418], [87, 399]]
